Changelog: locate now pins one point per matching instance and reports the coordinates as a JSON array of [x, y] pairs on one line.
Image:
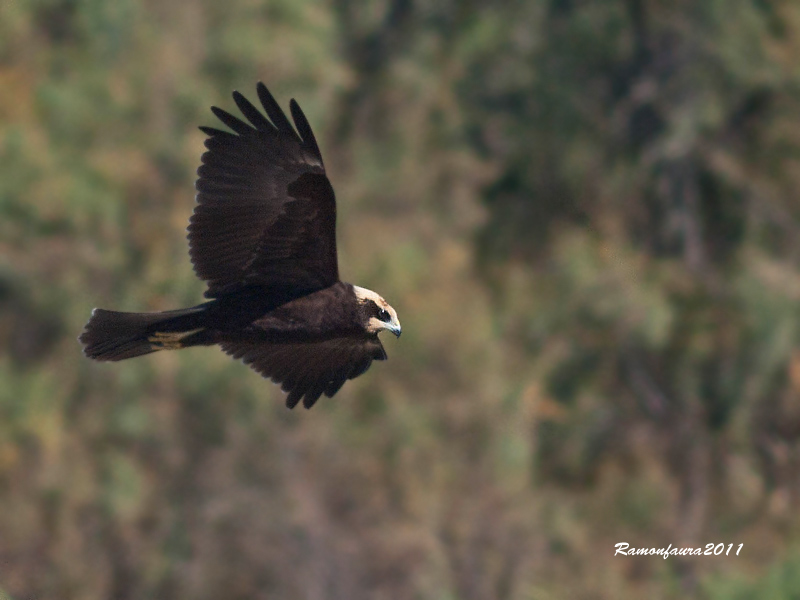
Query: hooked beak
[[395, 329]]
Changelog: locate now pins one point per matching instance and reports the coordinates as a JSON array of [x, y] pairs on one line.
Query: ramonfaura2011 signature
[[712, 549]]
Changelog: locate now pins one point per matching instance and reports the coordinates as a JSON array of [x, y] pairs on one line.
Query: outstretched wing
[[266, 212], [308, 370]]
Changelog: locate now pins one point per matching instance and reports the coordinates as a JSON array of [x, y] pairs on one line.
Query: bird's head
[[376, 312]]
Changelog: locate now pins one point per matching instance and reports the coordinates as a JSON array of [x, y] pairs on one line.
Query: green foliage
[[586, 216], [780, 582]]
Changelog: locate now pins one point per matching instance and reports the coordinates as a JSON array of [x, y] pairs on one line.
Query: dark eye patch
[[384, 315]]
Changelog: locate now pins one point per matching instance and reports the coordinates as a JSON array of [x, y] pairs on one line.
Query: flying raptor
[[263, 238]]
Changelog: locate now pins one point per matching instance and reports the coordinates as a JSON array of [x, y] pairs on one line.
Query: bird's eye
[[384, 315]]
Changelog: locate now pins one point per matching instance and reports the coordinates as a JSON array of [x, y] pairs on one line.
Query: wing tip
[[292, 400], [307, 136]]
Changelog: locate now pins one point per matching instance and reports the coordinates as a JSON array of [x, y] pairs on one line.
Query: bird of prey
[[263, 238]]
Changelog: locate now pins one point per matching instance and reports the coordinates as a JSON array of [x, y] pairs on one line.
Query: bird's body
[[263, 238]]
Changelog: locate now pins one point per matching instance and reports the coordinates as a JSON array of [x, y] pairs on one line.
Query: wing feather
[[266, 212], [251, 112], [304, 128], [306, 371], [215, 133], [275, 112], [237, 125]]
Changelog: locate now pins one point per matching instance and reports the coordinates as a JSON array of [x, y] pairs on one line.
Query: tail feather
[[112, 335]]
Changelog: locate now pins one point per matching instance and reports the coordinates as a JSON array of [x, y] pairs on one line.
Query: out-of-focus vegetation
[[586, 214]]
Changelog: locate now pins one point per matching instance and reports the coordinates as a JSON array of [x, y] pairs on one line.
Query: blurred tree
[[646, 193], [585, 214]]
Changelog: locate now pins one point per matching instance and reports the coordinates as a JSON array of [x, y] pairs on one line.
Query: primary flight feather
[[263, 238]]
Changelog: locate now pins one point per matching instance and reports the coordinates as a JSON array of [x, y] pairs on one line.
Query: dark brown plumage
[[263, 238]]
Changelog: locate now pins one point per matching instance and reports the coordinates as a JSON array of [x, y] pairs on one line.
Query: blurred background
[[586, 214]]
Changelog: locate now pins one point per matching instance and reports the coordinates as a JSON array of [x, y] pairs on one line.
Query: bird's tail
[[111, 335]]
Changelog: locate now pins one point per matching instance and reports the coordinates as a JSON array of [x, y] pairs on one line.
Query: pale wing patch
[[170, 340]]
